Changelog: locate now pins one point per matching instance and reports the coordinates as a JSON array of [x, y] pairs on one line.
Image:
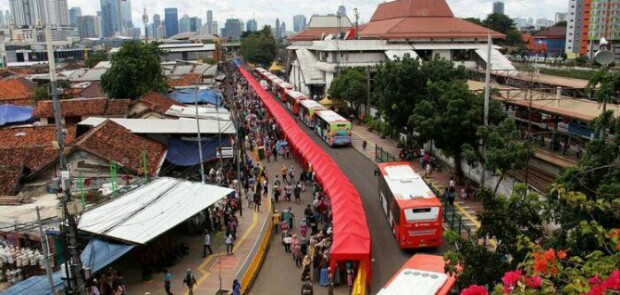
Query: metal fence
[[382, 155]]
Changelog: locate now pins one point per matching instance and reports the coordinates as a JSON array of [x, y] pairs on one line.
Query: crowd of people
[[307, 238]]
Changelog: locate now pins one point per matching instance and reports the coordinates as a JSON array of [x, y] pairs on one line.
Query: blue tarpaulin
[[188, 96], [97, 255], [14, 114], [185, 152]]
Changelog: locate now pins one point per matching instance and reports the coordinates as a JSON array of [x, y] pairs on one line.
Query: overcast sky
[[266, 11]]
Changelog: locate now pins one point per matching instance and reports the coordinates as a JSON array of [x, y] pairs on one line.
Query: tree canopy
[[499, 22], [351, 86], [259, 47], [95, 57], [136, 69], [474, 20]]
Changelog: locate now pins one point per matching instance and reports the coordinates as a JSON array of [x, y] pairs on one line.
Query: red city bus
[[421, 275], [281, 87], [293, 98], [412, 210]]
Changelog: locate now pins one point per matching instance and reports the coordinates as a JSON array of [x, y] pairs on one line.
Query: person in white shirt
[[207, 245], [229, 244]]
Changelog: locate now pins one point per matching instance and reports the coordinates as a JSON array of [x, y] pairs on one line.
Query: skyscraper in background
[[195, 24], [498, 7], [251, 26], [74, 13], [111, 17], [283, 30], [588, 22], [183, 24], [126, 17], [299, 23], [100, 18], [155, 25], [27, 12], [277, 28], [7, 17], [56, 12], [2, 24], [172, 21], [232, 29], [342, 11], [213, 27], [88, 26], [209, 22]]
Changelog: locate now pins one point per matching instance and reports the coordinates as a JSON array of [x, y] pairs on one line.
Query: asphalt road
[[387, 256]]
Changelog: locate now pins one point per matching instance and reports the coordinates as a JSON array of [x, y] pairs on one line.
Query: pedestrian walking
[[207, 245], [284, 173], [287, 242], [168, 282], [451, 196], [276, 221], [229, 244], [452, 183], [190, 281], [297, 193], [287, 149], [307, 288], [274, 151], [428, 170], [236, 289], [257, 201], [364, 144]]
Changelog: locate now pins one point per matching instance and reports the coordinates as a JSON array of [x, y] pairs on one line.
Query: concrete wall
[[447, 54]]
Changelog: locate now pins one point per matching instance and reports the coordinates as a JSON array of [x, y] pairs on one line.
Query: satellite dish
[[604, 57]]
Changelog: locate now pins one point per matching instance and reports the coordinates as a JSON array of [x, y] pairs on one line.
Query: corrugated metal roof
[[307, 63], [164, 126], [498, 61], [147, 212]]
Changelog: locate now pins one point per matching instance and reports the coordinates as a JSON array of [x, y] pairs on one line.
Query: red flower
[[511, 278], [474, 290], [540, 263], [595, 280], [561, 254], [550, 254], [613, 281], [533, 282]]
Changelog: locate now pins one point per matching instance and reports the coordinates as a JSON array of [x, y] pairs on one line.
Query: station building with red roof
[[416, 28]]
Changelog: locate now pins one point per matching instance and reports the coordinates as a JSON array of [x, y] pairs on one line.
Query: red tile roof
[[113, 142], [158, 102], [81, 107], [16, 91], [93, 90], [412, 8], [313, 34], [420, 19], [551, 33], [9, 179], [31, 147]]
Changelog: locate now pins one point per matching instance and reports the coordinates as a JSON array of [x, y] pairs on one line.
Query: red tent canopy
[[351, 234]]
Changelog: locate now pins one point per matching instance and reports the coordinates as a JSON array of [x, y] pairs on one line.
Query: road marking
[[202, 268]]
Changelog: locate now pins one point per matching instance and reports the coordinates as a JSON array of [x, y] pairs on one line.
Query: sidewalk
[[279, 275], [468, 209], [206, 270]]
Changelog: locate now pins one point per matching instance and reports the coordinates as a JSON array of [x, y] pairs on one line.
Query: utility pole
[[69, 225], [46, 254], [487, 94], [367, 111]]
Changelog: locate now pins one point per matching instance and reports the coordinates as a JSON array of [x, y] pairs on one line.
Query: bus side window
[[395, 210]]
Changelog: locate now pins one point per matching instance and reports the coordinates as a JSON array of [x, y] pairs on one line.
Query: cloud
[[266, 11]]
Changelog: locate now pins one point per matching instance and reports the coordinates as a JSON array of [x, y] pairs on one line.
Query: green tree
[[474, 20], [136, 70], [505, 150], [499, 22], [449, 115], [259, 47], [95, 57], [350, 85], [560, 24], [604, 87], [42, 92], [513, 38]]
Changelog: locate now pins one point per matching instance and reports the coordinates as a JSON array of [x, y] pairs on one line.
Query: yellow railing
[[254, 266], [359, 285]]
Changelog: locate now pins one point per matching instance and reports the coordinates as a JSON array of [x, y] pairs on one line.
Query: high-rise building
[[155, 25], [161, 30], [100, 18], [56, 12], [588, 22], [498, 7], [126, 17], [560, 17], [210, 22], [88, 26], [111, 18], [27, 12], [299, 23], [172, 21], [519, 22], [195, 24], [277, 29], [251, 26], [183, 24], [544, 23], [213, 27], [232, 29], [283, 30], [7, 18], [74, 13], [2, 23], [342, 11]]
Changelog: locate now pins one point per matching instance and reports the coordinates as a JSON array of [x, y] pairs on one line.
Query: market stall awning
[[275, 67], [147, 212], [97, 255]]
